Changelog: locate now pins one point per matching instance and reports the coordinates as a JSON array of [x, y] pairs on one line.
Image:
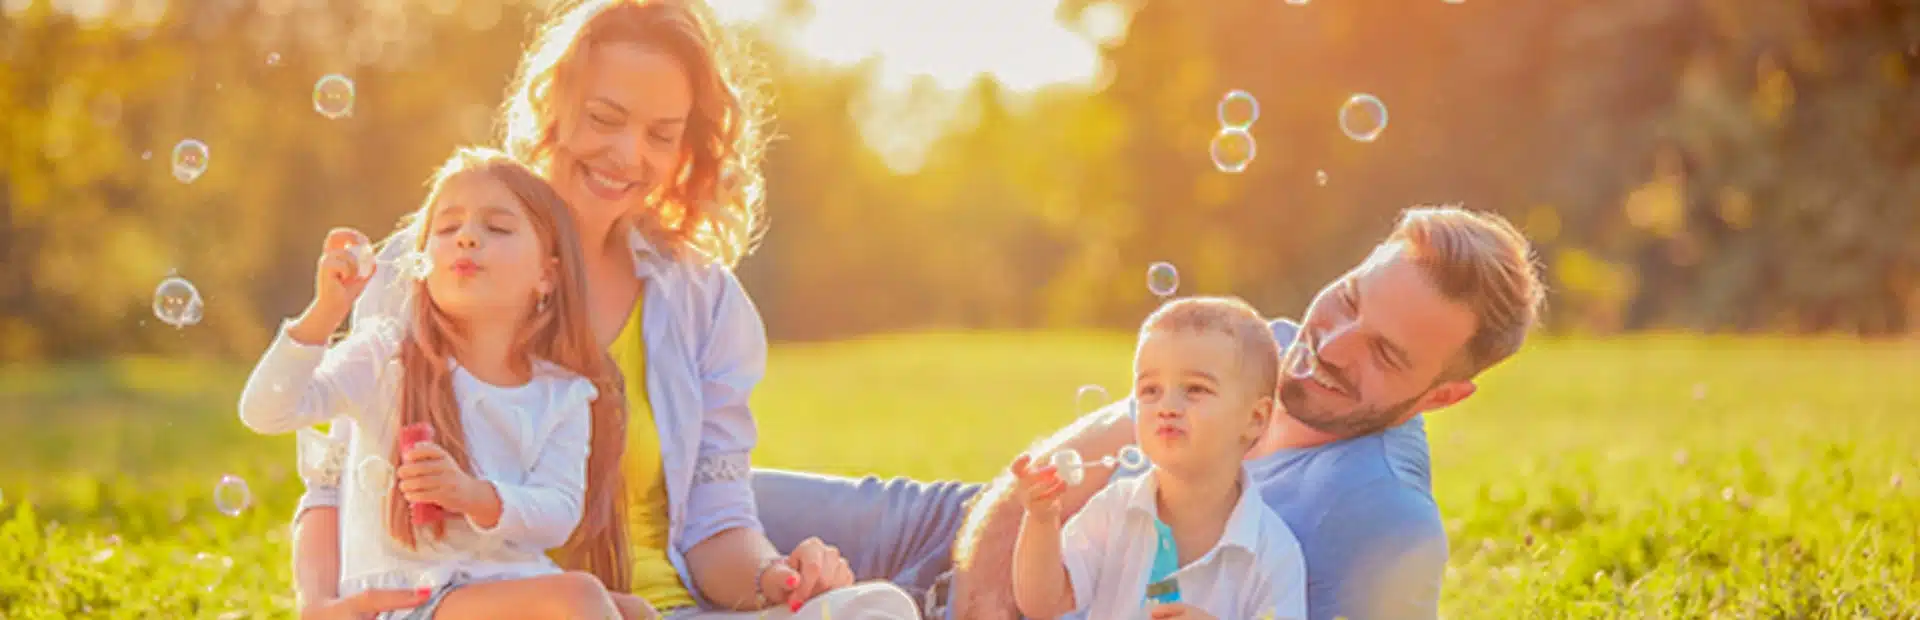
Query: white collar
[[647, 260], [1243, 525]]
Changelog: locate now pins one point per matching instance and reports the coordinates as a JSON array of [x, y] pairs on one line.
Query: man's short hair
[[1230, 316], [1478, 259]]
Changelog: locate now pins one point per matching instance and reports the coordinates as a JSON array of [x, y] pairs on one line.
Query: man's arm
[[983, 552], [1380, 551]]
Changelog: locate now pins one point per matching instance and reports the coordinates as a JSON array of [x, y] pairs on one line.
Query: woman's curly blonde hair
[[712, 205]]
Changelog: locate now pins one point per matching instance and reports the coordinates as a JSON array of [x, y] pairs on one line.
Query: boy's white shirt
[[530, 442], [1256, 570]]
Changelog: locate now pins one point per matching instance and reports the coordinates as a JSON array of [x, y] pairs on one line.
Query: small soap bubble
[[1320, 177], [190, 160], [146, 155], [1699, 391], [1297, 2], [273, 59], [1090, 398], [333, 96], [1238, 110], [1232, 150], [1132, 458], [416, 265], [231, 495], [376, 474], [1163, 279], [176, 302], [1068, 465], [1363, 117]]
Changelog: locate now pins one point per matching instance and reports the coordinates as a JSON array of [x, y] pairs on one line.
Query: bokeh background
[[1724, 195]]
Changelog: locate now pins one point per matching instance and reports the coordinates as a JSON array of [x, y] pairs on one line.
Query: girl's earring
[[540, 305]]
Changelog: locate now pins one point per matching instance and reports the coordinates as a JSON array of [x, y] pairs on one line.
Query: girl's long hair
[[557, 331]]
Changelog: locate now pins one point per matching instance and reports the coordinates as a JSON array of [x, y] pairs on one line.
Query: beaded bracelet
[[760, 578]]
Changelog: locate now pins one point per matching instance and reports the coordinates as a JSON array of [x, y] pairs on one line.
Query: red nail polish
[[794, 607], [423, 593], [793, 580]]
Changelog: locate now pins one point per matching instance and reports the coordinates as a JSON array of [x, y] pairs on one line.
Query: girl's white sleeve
[[542, 511], [298, 385]]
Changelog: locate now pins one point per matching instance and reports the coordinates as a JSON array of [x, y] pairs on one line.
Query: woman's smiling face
[[619, 136]]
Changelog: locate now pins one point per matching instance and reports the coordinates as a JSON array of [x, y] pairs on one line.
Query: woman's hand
[[364, 605], [428, 474], [812, 569], [1179, 611]]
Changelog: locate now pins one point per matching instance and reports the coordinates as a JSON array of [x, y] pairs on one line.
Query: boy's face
[[1197, 409]]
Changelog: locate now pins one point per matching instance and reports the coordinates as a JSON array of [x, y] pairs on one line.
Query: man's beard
[[1361, 421]]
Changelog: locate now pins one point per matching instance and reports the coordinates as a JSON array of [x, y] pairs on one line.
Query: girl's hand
[[428, 474], [338, 282], [633, 607], [812, 569], [1038, 488]]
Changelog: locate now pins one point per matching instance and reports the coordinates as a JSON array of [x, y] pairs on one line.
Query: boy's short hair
[[1259, 354]]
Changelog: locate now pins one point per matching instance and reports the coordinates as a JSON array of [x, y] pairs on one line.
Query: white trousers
[[872, 600]]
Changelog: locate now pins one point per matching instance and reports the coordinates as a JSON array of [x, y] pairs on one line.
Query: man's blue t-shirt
[[1364, 513]]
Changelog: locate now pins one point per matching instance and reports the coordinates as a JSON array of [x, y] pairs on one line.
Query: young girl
[[499, 362]]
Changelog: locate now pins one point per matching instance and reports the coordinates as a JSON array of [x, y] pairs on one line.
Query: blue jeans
[[896, 530]]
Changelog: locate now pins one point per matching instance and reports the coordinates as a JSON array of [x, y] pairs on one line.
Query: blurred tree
[[1703, 164]]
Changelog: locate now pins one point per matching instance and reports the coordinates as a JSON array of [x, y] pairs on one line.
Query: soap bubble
[[333, 96], [1232, 150], [231, 495], [1320, 178], [416, 265], [1363, 117], [190, 160], [375, 474], [1163, 279], [176, 302], [1089, 398], [1068, 465], [1238, 110]]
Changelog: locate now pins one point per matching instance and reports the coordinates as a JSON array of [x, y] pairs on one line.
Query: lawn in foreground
[[1648, 477]]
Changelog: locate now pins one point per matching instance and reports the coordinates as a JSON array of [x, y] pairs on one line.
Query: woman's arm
[[316, 555], [724, 544]]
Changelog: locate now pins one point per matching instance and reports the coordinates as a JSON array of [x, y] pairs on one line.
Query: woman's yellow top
[[654, 577]]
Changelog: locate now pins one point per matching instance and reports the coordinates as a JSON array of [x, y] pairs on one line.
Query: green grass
[[1654, 477]]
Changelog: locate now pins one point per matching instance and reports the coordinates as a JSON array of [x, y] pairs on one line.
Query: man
[[1449, 294]]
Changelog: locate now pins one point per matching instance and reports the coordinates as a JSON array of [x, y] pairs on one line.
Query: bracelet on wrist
[[760, 579]]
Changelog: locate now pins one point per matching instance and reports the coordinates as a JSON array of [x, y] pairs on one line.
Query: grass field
[[1654, 477]]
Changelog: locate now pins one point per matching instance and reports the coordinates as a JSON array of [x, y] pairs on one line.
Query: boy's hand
[[339, 281], [428, 474], [1178, 611], [1038, 488]]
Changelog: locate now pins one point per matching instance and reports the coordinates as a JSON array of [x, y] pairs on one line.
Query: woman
[[631, 110]]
